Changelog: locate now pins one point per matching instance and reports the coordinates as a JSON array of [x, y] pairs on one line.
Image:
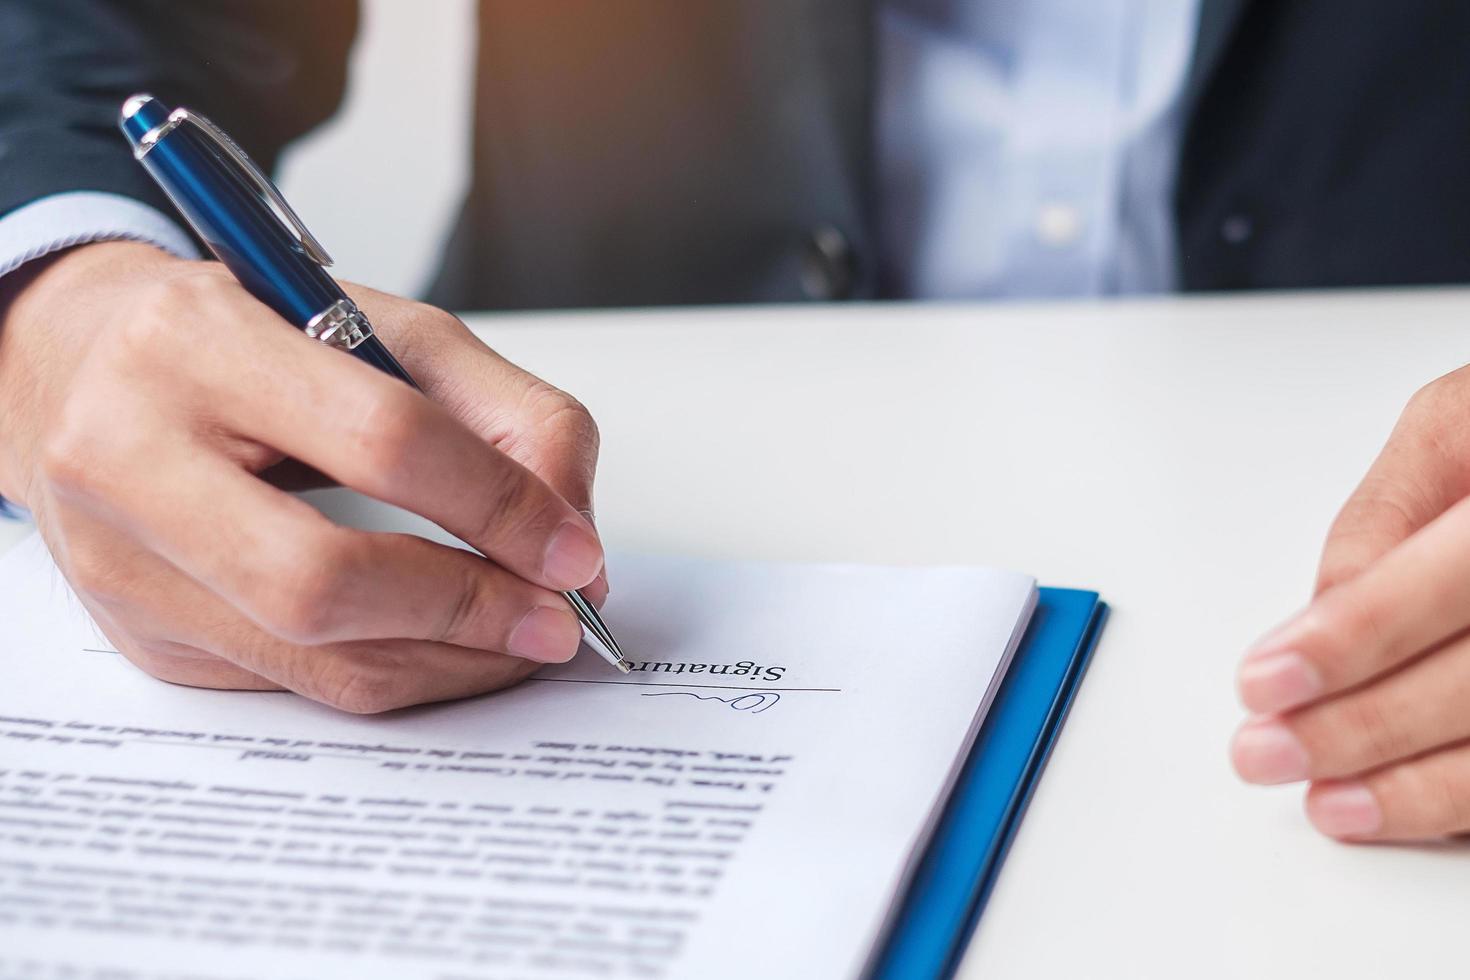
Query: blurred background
[[401, 141]]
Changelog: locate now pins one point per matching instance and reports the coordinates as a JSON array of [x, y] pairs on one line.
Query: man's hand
[[143, 397], [1367, 693]]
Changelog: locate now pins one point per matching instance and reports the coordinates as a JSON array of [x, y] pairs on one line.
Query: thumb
[[555, 437], [1421, 472], [533, 422], [536, 424]]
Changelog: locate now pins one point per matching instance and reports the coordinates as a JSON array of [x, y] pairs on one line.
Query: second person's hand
[[1366, 694], [142, 397]]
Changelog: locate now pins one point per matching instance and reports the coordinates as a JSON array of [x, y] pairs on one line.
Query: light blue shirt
[[1028, 148], [1025, 148]]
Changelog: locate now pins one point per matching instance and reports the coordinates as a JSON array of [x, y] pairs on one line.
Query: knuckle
[[1360, 625], [85, 434], [1377, 733], [361, 687], [303, 604], [1319, 635], [388, 429], [1431, 399], [141, 334], [562, 418], [173, 663], [154, 320], [1428, 796], [435, 321], [156, 324], [150, 659], [513, 510], [508, 672], [1346, 636], [1451, 803], [68, 456], [460, 619]]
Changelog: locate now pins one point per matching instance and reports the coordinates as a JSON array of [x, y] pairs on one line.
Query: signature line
[[720, 687]]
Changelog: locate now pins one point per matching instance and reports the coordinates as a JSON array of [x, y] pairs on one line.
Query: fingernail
[[1345, 810], [1265, 751], [573, 558], [1277, 681], [546, 635]]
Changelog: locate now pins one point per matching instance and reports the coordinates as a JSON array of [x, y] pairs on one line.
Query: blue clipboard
[[955, 877]]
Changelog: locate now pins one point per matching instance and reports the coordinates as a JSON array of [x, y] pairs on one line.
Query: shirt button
[[1058, 224], [827, 265], [1236, 229]]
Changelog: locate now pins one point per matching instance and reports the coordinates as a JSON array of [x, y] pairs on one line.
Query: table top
[[1184, 456]]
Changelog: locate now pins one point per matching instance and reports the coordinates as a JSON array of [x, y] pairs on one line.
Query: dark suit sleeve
[[265, 70]]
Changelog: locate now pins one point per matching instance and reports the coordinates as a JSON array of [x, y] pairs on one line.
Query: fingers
[[307, 580], [188, 666], [1420, 472], [1382, 512], [363, 677], [1411, 711], [144, 476], [1407, 602], [179, 631], [377, 436], [1423, 798], [125, 587], [384, 675], [539, 426], [1364, 694]]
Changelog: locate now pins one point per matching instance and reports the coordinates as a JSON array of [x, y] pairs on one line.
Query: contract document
[[748, 802]]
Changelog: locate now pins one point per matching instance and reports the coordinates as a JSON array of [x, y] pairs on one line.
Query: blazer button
[[1237, 229], [828, 268]]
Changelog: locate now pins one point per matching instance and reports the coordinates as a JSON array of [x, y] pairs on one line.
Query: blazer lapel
[[1218, 20]]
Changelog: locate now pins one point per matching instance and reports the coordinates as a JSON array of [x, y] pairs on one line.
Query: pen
[[240, 214]]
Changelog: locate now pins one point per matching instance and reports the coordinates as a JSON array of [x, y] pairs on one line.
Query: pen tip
[[622, 665]]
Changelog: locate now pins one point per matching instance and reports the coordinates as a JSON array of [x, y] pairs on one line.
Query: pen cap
[[232, 207], [140, 114]]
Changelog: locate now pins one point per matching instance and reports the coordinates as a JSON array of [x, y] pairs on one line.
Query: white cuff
[[77, 217]]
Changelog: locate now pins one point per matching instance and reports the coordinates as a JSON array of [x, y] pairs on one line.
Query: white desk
[[1184, 457]]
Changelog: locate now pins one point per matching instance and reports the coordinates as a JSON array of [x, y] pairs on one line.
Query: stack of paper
[[749, 801]]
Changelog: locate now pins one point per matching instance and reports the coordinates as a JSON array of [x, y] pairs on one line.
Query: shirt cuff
[[78, 217]]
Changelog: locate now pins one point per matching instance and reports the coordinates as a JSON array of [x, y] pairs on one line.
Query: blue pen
[[247, 224]]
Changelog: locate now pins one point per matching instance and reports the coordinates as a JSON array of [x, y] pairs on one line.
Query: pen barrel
[[234, 222]]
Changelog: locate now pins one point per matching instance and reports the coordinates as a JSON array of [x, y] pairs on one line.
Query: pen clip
[[253, 175]]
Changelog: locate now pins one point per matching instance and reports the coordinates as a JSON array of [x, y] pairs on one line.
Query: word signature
[[755, 703]]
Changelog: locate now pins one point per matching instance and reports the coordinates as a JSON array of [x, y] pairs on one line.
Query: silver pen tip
[[622, 665]]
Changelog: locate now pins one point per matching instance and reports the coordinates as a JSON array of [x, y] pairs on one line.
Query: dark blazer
[[689, 151]]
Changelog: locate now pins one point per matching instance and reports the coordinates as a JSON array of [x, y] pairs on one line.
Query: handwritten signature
[[755, 703]]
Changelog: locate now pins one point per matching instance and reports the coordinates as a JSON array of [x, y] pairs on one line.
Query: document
[[748, 802]]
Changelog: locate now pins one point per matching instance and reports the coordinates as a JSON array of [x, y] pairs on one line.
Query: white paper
[[745, 804]]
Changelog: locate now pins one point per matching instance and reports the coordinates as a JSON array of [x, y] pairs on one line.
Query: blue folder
[[948, 891]]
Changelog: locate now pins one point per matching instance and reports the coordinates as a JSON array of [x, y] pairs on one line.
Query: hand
[[142, 398], [1367, 693]]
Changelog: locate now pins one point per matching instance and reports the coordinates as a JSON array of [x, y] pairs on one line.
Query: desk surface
[[1183, 456]]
